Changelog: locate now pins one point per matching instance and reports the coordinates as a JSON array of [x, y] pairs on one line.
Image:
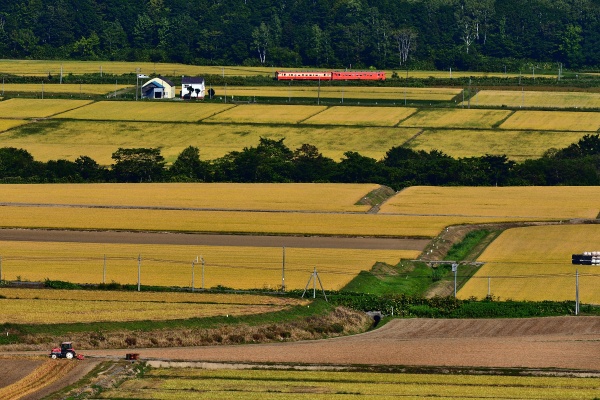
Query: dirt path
[[557, 342], [191, 239]]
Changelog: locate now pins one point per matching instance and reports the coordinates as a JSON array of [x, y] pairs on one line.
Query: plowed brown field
[[555, 342]]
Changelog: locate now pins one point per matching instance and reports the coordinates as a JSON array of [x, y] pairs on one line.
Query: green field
[[188, 383]]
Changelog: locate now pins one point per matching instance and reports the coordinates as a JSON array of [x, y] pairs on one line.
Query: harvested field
[[170, 265], [70, 139], [516, 145], [537, 99], [372, 116], [267, 114], [456, 118], [210, 196], [37, 108], [146, 111], [553, 120], [532, 203], [534, 263], [556, 342]]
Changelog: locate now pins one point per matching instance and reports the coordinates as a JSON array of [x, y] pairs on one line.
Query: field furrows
[[46, 374]]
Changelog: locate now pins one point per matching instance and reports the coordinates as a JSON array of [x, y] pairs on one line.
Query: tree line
[[426, 34], [272, 161]]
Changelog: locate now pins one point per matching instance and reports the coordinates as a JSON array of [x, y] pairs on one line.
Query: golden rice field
[[188, 383], [340, 92], [171, 265], [6, 124], [292, 223], [224, 196], [37, 108], [267, 114], [516, 145], [68, 88], [53, 67], [69, 139], [523, 202], [527, 99], [88, 307], [456, 118], [372, 116], [146, 111], [534, 263], [553, 121]]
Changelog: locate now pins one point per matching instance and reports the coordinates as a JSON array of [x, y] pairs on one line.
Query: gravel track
[[554, 342]]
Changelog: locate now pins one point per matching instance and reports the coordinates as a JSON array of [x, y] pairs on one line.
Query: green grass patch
[[409, 278], [459, 251]]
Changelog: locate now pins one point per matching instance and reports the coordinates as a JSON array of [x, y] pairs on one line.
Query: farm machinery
[[65, 351]]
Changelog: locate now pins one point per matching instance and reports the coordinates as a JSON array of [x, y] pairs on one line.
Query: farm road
[[539, 343], [194, 239]]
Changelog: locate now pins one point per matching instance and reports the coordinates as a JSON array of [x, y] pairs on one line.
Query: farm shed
[[192, 87], [158, 88]]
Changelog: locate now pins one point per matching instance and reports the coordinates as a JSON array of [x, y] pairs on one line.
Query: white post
[[61, 73], [0, 268], [450, 72], [193, 263], [139, 271], [42, 90], [104, 270], [101, 71]]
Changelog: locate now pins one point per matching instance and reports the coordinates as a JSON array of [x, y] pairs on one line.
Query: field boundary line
[[497, 124], [416, 135], [418, 110], [70, 109], [212, 115], [313, 115]]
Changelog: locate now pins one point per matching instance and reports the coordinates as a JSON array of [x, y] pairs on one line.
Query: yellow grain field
[[544, 99], [146, 111], [187, 383], [517, 145], [553, 120], [372, 116], [534, 263], [456, 118], [267, 114], [69, 139], [210, 196], [37, 108], [6, 124], [293, 223], [45, 67], [527, 203], [341, 92], [68, 88], [171, 265]]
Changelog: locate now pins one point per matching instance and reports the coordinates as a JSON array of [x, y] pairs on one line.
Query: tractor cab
[[65, 351]]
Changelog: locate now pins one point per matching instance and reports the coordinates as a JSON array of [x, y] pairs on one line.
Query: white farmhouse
[[158, 88], [192, 87]]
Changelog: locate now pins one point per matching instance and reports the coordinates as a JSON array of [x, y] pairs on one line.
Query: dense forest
[[486, 35], [272, 161]]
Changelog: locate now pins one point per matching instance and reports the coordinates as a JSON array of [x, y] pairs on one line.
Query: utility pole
[[455, 270], [139, 271], [576, 292], [193, 263], [283, 271], [0, 268], [202, 260], [319, 93], [104, 271]]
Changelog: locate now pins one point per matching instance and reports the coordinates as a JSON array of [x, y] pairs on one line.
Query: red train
[[330, 75]]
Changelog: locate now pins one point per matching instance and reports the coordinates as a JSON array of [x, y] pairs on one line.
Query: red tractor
[[65, 351]]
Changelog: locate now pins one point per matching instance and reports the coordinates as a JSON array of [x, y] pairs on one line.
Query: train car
[[358, 75], [303, 75]]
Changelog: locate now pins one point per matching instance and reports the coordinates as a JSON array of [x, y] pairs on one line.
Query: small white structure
[[158, 88], [192, 87]]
